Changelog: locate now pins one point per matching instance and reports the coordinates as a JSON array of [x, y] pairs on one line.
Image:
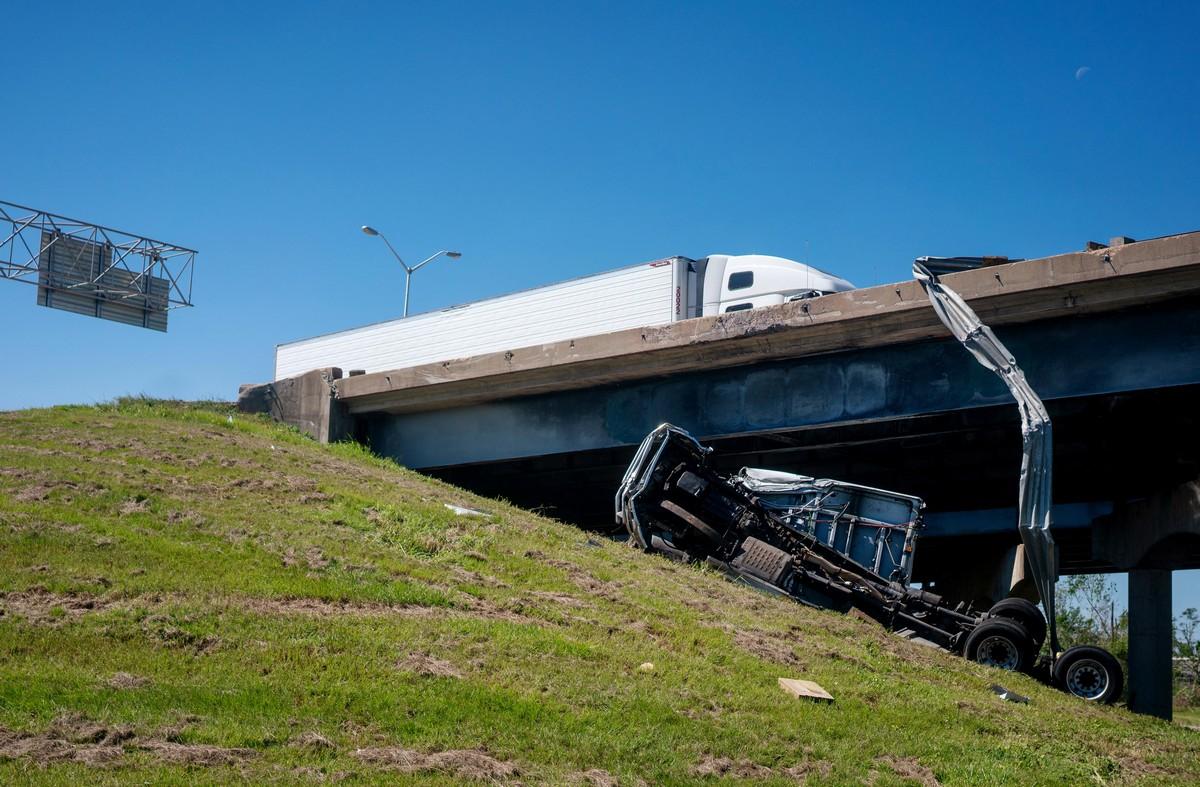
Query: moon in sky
[[1081, 72]]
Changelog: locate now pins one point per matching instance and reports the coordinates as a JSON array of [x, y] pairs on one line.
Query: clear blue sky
[[550, 140]]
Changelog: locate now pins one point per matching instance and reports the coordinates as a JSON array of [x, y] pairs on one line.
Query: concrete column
[[1150, 642], [308, 402]]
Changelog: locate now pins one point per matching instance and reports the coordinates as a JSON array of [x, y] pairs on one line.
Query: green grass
[[261, 589]]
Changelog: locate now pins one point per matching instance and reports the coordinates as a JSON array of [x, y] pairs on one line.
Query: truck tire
[[1090, 673], [1001, 642], [1024, 612]]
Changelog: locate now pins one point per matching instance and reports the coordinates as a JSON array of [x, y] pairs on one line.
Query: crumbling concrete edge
[[308, 402]]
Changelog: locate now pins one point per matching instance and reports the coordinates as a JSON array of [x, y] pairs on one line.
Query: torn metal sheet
[[1008, 695], [463, 511], [1034, 497]]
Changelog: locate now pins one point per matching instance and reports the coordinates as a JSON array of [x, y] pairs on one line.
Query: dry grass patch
[[471, 764]]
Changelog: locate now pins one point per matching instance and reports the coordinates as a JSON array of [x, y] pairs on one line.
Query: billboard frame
[[121, 272]]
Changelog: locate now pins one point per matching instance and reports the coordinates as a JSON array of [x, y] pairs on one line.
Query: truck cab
[[747, 281]]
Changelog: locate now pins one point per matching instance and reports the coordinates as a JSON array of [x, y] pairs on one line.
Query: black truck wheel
[[1024, 612], [1001, 642], [1091, 673]]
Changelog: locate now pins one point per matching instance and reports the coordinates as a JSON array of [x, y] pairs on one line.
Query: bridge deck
[[1063, 285]]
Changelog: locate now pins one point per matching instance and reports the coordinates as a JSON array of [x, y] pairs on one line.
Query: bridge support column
[[1150, 642]]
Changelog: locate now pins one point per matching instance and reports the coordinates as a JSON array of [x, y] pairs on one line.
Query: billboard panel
[[78, 275]]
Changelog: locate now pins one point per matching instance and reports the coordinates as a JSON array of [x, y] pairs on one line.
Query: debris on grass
[[318, 607], [135, 505], [559, 598], [33, 494], [910, 768], [314, 558], [313, 740], [1009, 696], [767, 646], [43, 750], [77, 728], [195, 754], [801, 771], [40, 606], [585, 580], [463, 763], [188, 517], [724, 766], [595, 777], [1133, 768], [73, 737], [163, 629], [125, 680], [464, 511], [427, 666], [805, 689]]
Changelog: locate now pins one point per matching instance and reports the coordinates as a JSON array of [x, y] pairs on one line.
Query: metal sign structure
[[94, 270]]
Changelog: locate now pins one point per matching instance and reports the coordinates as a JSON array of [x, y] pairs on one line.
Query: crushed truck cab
[[833, 545]]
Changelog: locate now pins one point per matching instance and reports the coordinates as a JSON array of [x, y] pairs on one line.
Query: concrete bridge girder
[[1066, 357], [1145, 534]]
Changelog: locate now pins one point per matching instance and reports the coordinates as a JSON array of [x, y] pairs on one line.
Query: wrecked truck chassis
[[831, 545], [672, 502]]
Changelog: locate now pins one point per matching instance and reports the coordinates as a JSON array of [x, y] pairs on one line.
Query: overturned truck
[[842, 546], [832, 545]]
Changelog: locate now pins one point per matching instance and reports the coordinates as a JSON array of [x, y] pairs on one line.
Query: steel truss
[[80, 259]]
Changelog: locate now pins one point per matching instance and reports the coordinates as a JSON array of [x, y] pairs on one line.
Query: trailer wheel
[[1024, 612], [1091, 673], [1000, 642]]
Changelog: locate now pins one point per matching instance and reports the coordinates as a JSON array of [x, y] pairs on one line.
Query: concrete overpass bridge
[[866, 386]]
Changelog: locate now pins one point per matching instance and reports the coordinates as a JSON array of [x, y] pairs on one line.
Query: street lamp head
[[370, 230], [454, 254]]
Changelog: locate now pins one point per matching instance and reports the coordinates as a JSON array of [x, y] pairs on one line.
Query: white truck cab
[[748, 281]]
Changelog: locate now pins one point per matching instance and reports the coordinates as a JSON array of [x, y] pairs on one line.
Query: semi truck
[[834, 545], [637, 296]]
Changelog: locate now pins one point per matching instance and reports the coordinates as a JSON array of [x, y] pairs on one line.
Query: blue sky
[[548, 140]]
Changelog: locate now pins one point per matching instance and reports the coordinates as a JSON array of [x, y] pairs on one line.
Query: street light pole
[[408, 272]]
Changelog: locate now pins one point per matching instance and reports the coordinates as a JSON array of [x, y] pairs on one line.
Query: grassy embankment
[[1189, 716], [192, 598]]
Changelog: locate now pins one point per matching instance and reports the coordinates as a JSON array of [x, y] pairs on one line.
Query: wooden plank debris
[[804, 689]]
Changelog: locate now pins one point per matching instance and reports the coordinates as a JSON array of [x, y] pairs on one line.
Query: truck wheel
[[1024, 612], [1000, 642], [1091, 673]]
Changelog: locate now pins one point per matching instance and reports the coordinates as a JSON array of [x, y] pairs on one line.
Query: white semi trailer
[[638, 296]]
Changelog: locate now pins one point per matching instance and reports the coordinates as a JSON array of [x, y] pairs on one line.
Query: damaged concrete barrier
[[308, 402]]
